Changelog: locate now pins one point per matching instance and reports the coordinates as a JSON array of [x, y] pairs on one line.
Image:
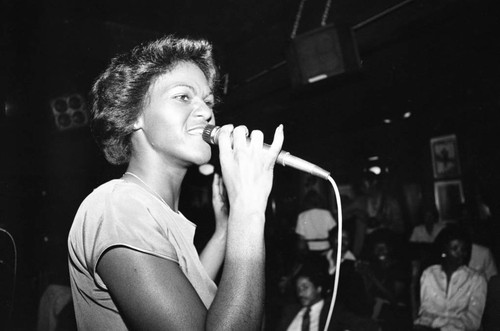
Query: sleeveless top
[[120, 213]]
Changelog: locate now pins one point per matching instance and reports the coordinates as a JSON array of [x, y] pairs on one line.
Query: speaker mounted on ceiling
[[69, 111], [322, 53]]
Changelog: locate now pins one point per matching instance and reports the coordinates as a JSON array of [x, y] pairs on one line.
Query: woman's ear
[[138, 123]]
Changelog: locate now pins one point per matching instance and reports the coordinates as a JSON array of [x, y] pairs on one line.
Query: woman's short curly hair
[[454, 232], [120, 92]]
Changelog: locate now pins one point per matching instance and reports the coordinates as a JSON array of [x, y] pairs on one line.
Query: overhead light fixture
[[375, 170]]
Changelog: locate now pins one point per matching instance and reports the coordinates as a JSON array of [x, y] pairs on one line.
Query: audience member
[[421, 245], [374, 208], [311, 313], [482, 261], [387, 276], [452, 295], [352, 304], [346, 253], [430, 228], [491, 316], [55, 308], [314, 224], [53, 302]]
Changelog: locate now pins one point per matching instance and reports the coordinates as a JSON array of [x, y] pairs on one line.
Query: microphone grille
[[207, 134]]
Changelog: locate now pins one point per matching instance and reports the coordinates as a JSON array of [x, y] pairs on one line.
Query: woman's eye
[[210, 103], [182, 97]]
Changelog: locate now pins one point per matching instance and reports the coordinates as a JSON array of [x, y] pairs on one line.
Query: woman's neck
[[449, 268], [164, 182]]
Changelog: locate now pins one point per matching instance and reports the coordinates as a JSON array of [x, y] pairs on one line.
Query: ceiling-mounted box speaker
[[70, 111], [322, 53]]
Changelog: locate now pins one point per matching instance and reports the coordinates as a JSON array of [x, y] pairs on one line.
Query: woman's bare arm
[[213, 253]]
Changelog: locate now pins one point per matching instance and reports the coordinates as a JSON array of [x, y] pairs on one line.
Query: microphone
[[211, 136]]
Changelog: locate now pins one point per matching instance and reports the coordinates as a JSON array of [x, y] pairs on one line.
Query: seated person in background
[[345, 253], [428, 231], [452, 295], [372, 209], [387, 277], [314, 224], [421, 245], [313, 228], [352, 305], [482, 261], [311, 313], [491, 316]]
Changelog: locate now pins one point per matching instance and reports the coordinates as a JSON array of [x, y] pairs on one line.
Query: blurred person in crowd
[[452, 295], [387, 273], [430, 228], [314, 224], [311, 310], [491, 315], [352, 305], [372, 209]]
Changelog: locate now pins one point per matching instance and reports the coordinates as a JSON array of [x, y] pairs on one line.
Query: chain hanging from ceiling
[[298, 16]]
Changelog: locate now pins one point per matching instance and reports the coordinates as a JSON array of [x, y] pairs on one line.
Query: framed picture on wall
[[445, 158], [449, 197]]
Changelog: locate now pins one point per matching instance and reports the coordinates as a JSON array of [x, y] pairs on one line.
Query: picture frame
[[449, 197], [445, 157]]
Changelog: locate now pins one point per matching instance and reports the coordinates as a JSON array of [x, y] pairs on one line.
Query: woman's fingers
[[240, 135], [231, 137], [279, 137], [225, 138]]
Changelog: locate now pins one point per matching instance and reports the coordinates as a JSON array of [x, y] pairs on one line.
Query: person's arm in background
[[490, 267], [213, 253], [414, 284], [366, 271], [356, 212]]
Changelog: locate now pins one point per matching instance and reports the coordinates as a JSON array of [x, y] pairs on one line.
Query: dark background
[[437, 59]]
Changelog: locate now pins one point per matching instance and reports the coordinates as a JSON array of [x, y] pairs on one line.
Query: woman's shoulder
[[120, 202], [433, 269], [473, 273], [118, 191]]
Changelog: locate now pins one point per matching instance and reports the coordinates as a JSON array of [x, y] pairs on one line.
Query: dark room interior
[[398, 76]]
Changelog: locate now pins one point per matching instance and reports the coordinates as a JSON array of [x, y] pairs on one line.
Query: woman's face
[[178, 107], [455, 252]]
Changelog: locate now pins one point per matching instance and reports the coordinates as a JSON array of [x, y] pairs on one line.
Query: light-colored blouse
[[120, 213], [458, 305]]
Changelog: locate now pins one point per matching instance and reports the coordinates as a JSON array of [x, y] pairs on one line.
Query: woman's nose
[[205, 111]]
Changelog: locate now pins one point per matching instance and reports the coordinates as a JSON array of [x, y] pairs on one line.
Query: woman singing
[[132, 261]]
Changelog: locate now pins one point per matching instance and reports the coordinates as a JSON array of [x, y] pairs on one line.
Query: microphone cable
[[339, 248], [14, 273]]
